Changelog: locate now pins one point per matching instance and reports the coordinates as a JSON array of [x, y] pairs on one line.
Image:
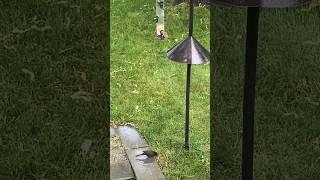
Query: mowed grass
[[287, 126], [53, 90], [148, 90]]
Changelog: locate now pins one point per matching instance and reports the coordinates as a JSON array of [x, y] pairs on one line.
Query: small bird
[[161, 4], [162, 35], [148, 153], [156, 19]]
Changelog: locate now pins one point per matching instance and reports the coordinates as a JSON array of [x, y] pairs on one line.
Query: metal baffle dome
[[263, 3], [189, 51]]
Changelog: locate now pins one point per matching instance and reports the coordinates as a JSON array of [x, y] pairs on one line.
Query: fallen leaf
[[135, 92], [86, 145], [92, 155], [82, 95], [34, 27], [9, 47], [18, 31], [157, 93], [67, 23], [45, 28], [62, 2], [295, 115], [77, 7], [83, 76], [130, 124], [30, 73], [310, 42], [312, 102]]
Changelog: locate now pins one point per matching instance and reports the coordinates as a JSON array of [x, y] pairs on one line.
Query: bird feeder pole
[[189, 51], [253, 7], [187, 126], [249, 92]]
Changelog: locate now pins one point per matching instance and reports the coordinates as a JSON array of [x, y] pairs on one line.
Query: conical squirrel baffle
[[189, 51]]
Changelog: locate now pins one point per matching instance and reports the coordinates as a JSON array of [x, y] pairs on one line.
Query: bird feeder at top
[[161, 34]]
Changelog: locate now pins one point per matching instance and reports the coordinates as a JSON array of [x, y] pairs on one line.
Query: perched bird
[[148, 153], [161, 4], [162, 35], [156, 19]]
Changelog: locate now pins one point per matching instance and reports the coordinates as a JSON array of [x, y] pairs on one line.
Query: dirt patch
[[117, 151]]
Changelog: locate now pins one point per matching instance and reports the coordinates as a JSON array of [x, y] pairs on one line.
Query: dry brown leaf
[[82, 95], [30, 73], [86, 145]]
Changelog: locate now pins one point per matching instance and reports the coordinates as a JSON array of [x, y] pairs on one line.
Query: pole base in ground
[[186, 147]]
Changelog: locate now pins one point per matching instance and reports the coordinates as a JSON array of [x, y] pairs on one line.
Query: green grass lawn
[[53, 58], [148, 91], [287, 131]]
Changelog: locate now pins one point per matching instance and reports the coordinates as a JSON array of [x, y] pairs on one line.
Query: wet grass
[[287, 131], [53, 90], [148, 91]]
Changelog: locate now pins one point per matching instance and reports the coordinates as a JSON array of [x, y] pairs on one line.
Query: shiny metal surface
[[263, 3], [189, 51]]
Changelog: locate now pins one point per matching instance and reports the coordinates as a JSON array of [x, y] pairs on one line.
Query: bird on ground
[[148, 153]]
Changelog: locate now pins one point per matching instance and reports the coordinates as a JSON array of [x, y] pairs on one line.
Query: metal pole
[[187, 127], [186, 144], [249, 92], [191, 17]]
